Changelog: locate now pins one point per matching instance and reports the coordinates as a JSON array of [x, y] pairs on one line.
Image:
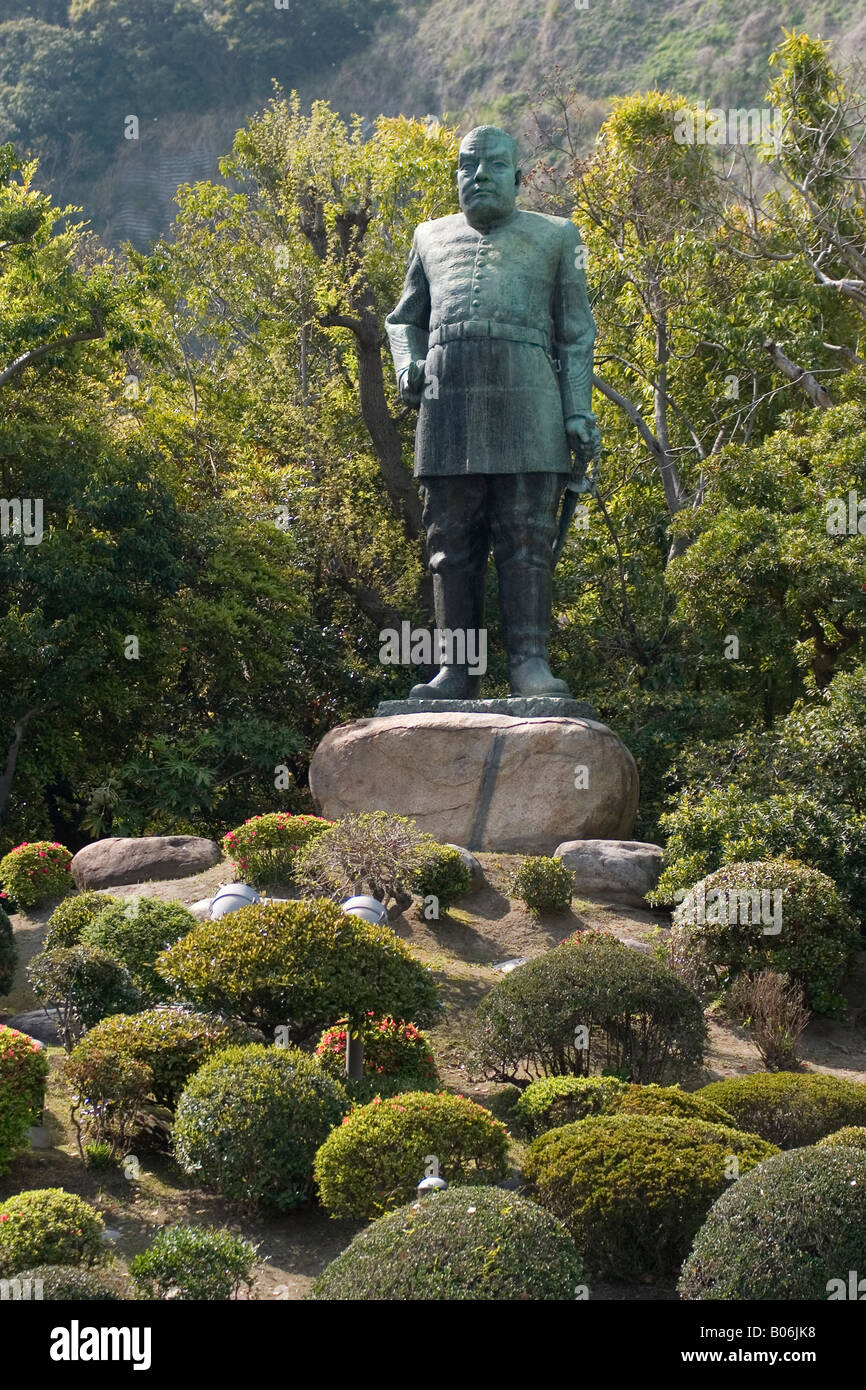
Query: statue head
[[488, 176]]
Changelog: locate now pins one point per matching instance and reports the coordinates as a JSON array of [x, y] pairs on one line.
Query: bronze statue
[[492, 340]]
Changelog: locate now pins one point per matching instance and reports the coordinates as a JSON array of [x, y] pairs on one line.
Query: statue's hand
[[584, 437], [411, 384]]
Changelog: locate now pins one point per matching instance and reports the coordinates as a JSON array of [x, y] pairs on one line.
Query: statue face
[[487, 180]]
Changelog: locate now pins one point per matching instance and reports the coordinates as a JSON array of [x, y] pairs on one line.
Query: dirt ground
[[485, 929]]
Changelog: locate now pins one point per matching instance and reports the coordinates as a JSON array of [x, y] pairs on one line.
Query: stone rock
[[506, 966], [200, 909], [516, 706], [115, 861], [472, 864], [486, 781], [624, 870], [38, 1024], [39, 1136]]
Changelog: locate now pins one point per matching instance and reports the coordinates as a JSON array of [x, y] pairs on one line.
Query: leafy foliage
[[135, 932], [468, 1243], [542, 884], [266, 848], [561, 1100], [774, 914], [787, 1109], [84, 984], [250, 1120], [592, 1003], [49, 1226], [23, 1075], [193, 1262], [374, 1161], [298, 965], [634, 1189], [790, 1230], [172, 1042], [34, 872]]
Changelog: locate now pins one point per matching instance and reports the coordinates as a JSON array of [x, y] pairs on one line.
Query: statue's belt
[[488, 328]]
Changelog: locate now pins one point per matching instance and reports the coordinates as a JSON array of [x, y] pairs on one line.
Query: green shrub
[[299, 965], [193, 1262], [265, 849], [23, 1074], [633, 1189], [542, 884], [562, 1100], [68, 920], [135, 932], [790, 1231], [814, 945], [735, 824], [850, 1136], [250, 1120], [47, 1226], [787, 1109], [442, 875], [109, 1090], [469, 1244], [374, 1161], [84, 984], [8, 954], [32, 873], [375, 853], [66, 1283], [393, 1051], [172, 1041], [640, 1019]]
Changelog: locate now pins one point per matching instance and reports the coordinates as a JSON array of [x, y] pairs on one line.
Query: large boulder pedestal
[[517, 783]]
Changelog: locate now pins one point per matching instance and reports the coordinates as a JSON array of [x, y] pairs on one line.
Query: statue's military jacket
[[502, 319]]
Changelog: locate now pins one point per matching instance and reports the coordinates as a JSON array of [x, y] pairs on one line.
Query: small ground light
[[231, 897], [431, 1185], [369, 908]]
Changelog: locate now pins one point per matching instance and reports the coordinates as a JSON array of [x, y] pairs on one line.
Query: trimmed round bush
[[67, 1283], [812, 941], [466, 1243], [791, 1230], [790, 1109], [633, 1189], [8, 954], [374, 1161], [23, 1075], [299, 965], [193, 1262], [250, 1120], [560, 1100], [84, 984], [443, 875], [849, 1137], [23, 1072], [135, 932], [394, 1052], [109, 1091], [374, 853], [33, 873], [542, 884], [172, 1041], [265, 849], [69, 919], [47, 1226], [590, 1004]]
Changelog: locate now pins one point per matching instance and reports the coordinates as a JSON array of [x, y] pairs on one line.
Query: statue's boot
[[458, 598], [525, 597]]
